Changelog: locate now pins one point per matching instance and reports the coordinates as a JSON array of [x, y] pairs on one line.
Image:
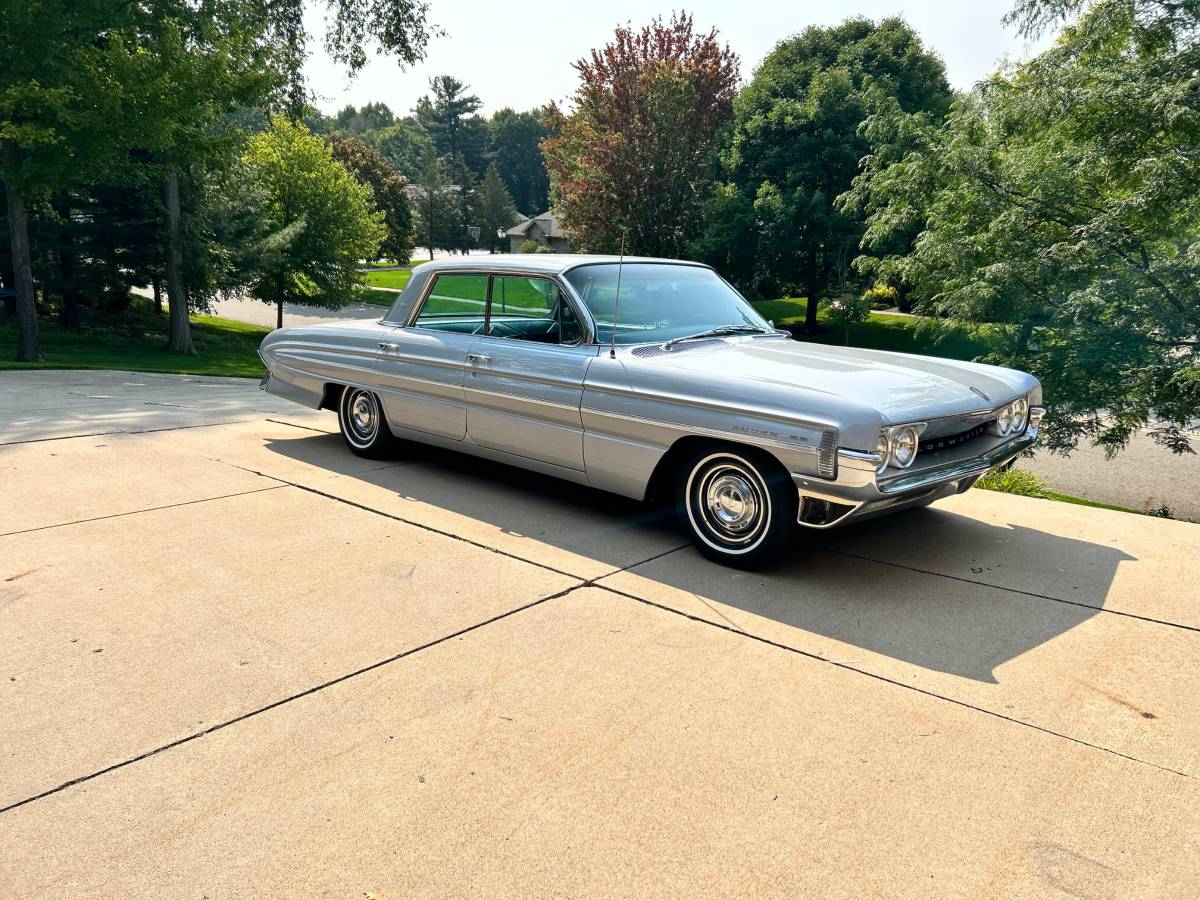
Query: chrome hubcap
[[363, 415], [732, 502], [728, 504]]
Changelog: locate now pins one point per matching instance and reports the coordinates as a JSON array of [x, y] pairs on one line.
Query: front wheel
[[738, 505], [360, 416]]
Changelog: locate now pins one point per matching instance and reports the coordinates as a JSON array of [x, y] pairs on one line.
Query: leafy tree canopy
[[632, 157], [325, 217], [796, 145], [1063, 199], [389, 189]]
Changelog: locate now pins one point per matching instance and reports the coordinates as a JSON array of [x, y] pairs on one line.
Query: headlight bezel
[[1012, 419], [885, 445], [1020, 408]]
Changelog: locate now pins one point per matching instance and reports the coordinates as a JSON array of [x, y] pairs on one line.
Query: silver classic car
[[653, 377]]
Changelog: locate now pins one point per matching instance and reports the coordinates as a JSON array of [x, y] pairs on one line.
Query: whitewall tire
[[738, 505], [364, 427]]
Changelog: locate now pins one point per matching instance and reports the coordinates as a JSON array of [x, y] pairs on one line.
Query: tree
[[494, 211], [63, 115], [326, 215], [402, 145], [515, 144], [796, 144], [1061, 200], [389, 189], [371, 117], [450, 122], [439, 214], [632, 158]]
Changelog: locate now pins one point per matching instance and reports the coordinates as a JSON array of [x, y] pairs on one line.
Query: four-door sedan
[[655, 376]]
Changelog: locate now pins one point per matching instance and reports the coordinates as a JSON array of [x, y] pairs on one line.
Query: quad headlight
[[898, 445], [1011, 419], [904, 446], [1020, 408]]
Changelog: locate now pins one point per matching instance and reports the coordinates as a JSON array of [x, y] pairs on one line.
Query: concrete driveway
[[240, 661]]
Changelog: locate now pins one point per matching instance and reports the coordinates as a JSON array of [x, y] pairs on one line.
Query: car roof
[[548, 263]]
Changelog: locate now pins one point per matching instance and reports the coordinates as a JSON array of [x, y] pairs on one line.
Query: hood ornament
[[986, 398]]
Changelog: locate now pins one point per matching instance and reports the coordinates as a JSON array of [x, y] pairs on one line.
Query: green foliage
[[494, 211], [795, 146], [883, 331], [846, 309], [438, 206], [403, 145], [632, 158], [515, 145], [1013, 481], [449, 120], [389, 190], [325, 218], [530, 246], [880, 296], [353, 122], [1063, 198]]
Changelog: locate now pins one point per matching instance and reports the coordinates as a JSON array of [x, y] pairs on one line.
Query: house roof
[[547, 221]]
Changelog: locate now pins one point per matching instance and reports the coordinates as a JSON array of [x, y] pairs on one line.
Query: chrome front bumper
[[857, 492]]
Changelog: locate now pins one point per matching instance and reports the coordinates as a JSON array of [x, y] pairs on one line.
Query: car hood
[[903, 387]]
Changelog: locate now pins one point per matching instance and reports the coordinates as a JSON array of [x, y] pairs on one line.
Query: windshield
[[660, 302]]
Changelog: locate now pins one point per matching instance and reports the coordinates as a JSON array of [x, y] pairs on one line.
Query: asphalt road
[[240, 661]]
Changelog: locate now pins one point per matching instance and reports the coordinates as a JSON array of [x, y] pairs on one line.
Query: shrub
[[529, 246], [846, 309], [1013, 481], [881, 296]]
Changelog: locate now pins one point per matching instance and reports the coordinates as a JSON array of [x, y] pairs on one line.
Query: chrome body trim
[[858, 490], [731, 435]]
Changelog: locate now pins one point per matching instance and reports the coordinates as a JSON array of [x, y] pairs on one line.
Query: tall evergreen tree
[[450, 121], [494, 210], [515, 141]]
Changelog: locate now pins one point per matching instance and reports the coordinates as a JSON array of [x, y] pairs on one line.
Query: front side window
[[456, 302], [660, 302], [531, 309]]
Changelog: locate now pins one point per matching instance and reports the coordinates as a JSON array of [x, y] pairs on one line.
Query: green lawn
[[882, 331], [388, 278], [135, 340], [376, 298]]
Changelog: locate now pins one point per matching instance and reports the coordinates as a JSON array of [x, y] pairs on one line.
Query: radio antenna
[[612, 347]]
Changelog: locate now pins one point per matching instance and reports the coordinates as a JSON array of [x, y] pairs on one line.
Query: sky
[[519, 54]]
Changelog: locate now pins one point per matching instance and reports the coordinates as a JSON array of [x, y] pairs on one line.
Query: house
[[543, 229]]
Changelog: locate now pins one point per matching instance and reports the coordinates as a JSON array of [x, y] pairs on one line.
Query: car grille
[[945, 441]]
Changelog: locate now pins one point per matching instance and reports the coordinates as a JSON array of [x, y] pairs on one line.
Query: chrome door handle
[[387, 347], [478, 358]]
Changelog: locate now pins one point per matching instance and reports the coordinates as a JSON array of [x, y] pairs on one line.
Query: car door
[[524, 377], [421, 365]]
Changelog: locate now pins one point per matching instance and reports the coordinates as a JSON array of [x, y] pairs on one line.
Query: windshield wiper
[[718, 332]]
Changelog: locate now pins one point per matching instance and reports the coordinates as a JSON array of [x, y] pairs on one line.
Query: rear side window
[[456, 302]]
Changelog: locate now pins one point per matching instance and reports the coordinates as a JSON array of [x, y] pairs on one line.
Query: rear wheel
[[360, 416], [738, 505]]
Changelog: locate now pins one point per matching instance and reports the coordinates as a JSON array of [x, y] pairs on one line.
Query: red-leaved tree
[[633, 157]]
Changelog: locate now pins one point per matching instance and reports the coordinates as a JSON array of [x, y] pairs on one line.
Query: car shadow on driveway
[[929, 587]]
